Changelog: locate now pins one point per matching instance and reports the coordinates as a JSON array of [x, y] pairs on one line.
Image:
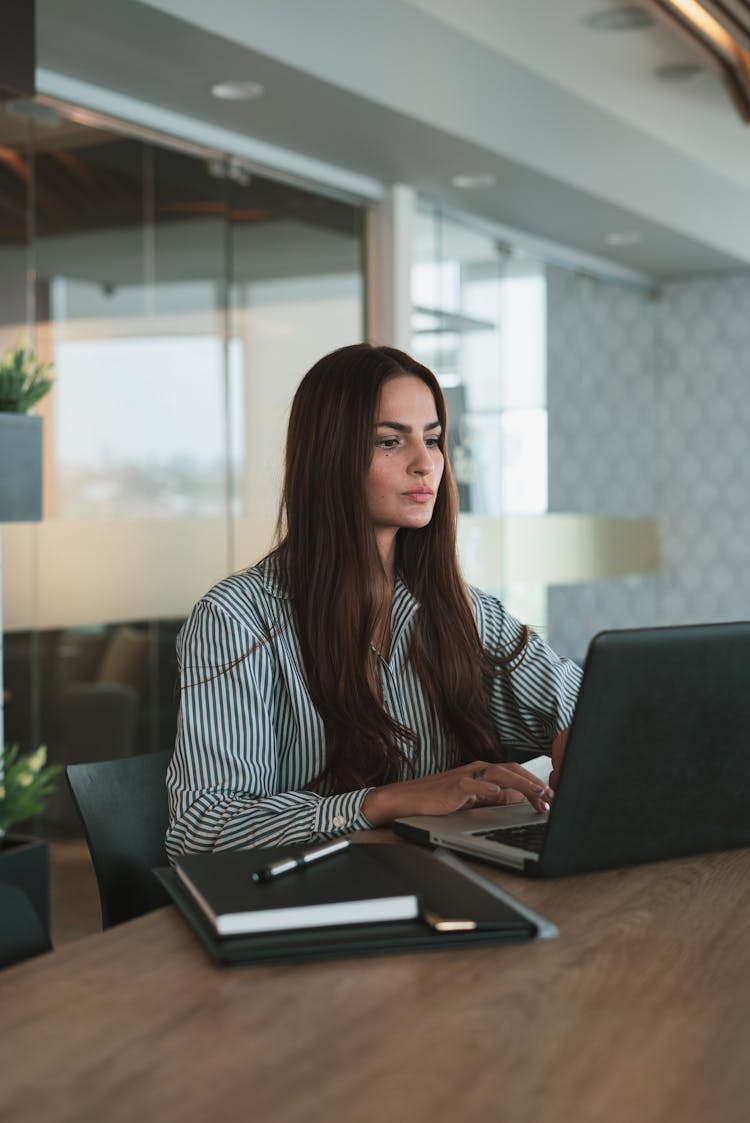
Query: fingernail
[[540, 791], [545, 806]]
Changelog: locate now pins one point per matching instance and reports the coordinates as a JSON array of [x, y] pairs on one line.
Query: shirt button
[[339, 821]]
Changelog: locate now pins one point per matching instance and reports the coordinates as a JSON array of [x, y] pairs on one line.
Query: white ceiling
[[582, 137], [615, 71]]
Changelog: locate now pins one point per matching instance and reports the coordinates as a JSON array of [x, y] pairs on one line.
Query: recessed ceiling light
[[678, 71], [627, 17], [624, 238], [474, 180], [237, 91]]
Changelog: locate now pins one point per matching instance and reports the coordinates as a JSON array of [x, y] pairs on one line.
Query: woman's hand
[[472, 785], [558, 752]]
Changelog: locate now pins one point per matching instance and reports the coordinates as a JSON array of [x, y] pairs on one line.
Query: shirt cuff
[[341, 814]]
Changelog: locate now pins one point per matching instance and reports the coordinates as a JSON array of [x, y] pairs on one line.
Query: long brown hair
[[329, 562]]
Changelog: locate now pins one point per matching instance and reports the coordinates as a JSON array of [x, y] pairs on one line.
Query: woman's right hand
[[480, 784]]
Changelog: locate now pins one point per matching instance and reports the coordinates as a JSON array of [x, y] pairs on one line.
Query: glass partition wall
[[180, 298], [479, 321], [552, 376]]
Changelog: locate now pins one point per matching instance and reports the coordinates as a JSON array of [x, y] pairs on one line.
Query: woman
[[352, 677]]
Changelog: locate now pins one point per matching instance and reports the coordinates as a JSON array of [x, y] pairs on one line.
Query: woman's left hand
[[558, 752]]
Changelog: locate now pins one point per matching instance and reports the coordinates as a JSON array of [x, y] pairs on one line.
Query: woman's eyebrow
[[400, 428]]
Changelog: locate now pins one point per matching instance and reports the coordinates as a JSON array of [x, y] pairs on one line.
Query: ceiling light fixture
[[237, 91], [627, 17], [678, 71], [474, 180], [720, 30]]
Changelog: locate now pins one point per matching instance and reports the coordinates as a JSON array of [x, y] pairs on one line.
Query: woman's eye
[[388, 442], [433, 442]]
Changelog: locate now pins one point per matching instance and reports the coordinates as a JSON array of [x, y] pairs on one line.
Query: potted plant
[[25, 781], [23, 382], [25, 784]]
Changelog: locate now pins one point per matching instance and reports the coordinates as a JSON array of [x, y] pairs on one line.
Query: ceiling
[[582, 138]]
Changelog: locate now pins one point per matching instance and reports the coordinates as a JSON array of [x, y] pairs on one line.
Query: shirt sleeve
[[223, 781], [534, 699]]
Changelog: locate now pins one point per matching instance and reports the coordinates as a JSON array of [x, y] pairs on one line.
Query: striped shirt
[[250, 742]]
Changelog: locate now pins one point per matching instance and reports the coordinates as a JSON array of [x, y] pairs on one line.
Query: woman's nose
[[422, 462]]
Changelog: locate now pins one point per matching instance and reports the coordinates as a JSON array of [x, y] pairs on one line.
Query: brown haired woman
[[352, 677]]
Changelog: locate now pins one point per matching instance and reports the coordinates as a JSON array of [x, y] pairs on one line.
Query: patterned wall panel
[[649, 405], [603, 400], [602, 397], [704, 358]]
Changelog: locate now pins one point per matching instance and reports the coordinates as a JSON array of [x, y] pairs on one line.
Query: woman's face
[[407, 463]]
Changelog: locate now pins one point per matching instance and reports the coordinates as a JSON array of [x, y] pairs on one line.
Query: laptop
[[657, 763]]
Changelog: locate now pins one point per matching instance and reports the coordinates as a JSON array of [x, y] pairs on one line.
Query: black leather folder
[[459, 908]]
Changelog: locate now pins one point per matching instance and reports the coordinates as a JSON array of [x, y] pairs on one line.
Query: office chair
[[22, 933], [123, 807]]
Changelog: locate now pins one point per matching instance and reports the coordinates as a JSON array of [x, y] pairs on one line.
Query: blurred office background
[[548, 203]]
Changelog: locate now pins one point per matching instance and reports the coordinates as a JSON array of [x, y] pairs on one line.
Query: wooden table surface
[[638, 1013]]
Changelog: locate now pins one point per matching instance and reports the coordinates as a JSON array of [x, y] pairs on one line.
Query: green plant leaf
[[23, 790], [23, 380]]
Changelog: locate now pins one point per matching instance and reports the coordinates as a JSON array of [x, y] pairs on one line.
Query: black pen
[[288, 865]]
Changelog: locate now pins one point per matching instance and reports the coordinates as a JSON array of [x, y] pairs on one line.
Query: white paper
[[541, 766]]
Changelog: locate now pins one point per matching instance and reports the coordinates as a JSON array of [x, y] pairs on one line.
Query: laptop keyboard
[[529, 837]]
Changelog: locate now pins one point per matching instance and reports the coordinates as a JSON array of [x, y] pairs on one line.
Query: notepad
[[459, 909], [347, 888]]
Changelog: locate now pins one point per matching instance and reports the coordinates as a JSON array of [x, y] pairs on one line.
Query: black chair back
[[22, 933], [123, 807]]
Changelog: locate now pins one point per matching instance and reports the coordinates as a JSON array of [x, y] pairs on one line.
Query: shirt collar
[[404, 609], [272, 578]]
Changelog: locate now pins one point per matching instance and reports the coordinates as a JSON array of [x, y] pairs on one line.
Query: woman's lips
[[420, 495]]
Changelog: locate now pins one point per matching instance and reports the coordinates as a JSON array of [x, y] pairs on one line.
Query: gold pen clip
[[444, 924]]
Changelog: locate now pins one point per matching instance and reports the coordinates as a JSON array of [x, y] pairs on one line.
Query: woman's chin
[[417, 519]]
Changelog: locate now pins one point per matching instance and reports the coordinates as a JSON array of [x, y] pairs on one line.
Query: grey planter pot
[[20, 468], [24, 862]]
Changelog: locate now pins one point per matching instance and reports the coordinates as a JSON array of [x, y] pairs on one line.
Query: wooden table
[[638, 1013]]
